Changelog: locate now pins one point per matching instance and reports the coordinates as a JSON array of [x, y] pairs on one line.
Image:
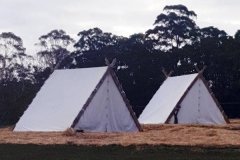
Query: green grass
[[114, 152]]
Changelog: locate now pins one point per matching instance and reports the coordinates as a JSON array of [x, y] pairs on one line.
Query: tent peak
[[167, 74], [112, 64], [200, 71]]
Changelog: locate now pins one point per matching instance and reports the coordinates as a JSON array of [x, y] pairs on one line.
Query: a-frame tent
[[86, 99], [185, 99]]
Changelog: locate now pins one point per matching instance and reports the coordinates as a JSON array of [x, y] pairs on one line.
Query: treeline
[[175, 43]]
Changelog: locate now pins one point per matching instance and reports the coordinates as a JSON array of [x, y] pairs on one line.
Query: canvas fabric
[[107, 111], [165, 99], [198, 107], [60, 99]]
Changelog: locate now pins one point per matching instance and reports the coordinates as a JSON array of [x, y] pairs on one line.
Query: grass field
[[114, 152], [181, 135], [160, 142]]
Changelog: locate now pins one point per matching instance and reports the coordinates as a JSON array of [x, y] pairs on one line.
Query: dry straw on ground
[[185, 135]]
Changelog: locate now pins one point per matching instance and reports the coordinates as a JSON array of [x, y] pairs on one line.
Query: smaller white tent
[[184, 99], [88, 99]]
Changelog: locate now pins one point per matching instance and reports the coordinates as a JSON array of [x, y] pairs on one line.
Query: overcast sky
[[30, 19]]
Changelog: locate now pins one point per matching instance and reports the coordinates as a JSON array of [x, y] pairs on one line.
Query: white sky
[[30, 19]]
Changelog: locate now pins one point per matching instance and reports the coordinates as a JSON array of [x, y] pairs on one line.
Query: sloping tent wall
[[64, 96], [190, 93]]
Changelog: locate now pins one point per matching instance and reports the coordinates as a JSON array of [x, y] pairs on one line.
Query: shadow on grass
[[114, 152]]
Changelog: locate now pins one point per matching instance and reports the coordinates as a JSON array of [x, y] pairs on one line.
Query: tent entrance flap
[[108, 109], [198, 107]]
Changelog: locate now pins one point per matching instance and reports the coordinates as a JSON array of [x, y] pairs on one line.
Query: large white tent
[[184, 99], [87, 99]]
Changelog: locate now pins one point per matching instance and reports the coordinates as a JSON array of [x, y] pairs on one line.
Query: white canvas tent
[[88, 99], [184, 99]]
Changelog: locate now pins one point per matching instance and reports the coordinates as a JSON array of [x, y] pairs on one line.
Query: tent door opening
[[175, 114]]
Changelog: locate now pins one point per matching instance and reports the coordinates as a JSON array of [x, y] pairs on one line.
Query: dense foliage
[[175, 43]]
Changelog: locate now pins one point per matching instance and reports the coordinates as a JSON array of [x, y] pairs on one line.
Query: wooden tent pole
[[167, 74]]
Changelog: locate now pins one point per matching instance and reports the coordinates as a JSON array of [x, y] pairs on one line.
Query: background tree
[[174, 28], [13, 60], [94, 39], [94, 45], [54, 48], [16, 78], [237, 36]]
